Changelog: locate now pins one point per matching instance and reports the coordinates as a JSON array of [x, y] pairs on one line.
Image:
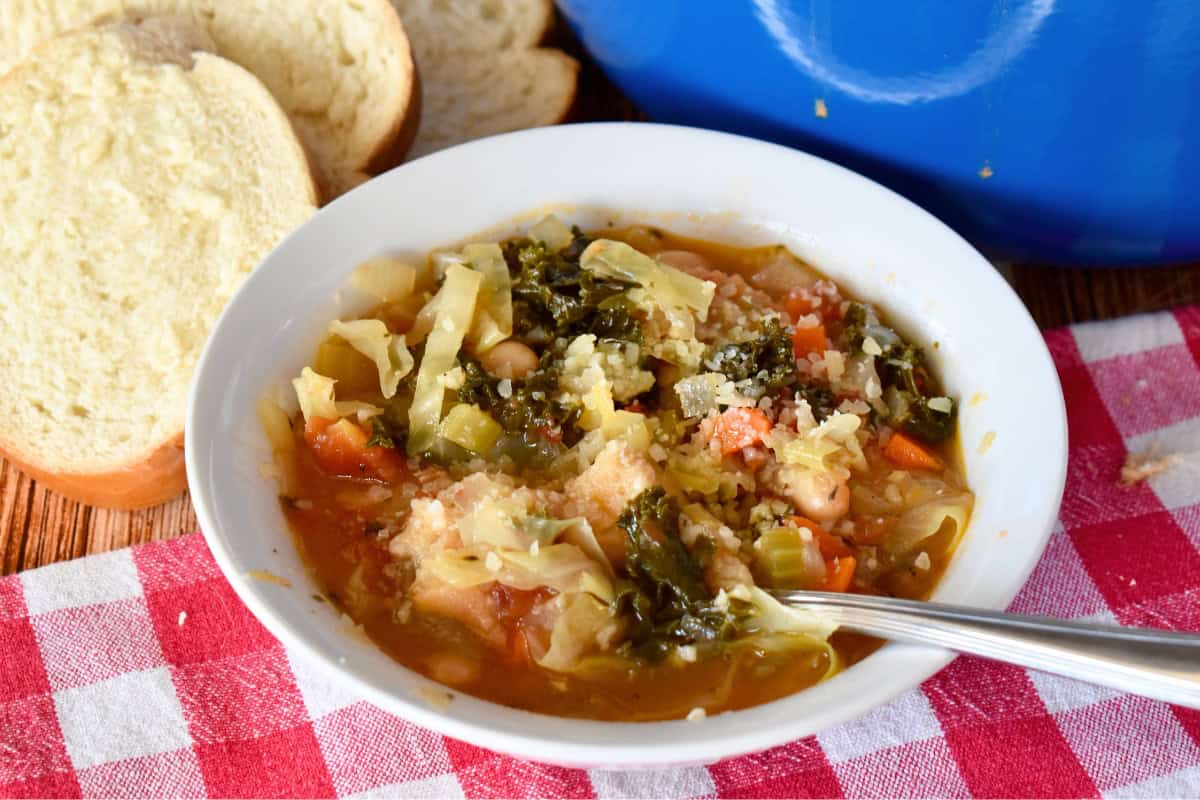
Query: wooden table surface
[[38, 527]]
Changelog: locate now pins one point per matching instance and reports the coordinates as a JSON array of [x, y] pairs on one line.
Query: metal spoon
[[1159, 664]]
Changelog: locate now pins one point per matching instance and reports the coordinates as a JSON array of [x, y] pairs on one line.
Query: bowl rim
[[583, 743]]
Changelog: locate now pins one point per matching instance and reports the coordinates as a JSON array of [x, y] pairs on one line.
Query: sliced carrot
[[905, 452], [808, 340], [340, 448], [831, 546], [799, 302], [741, 427], [840, 573]]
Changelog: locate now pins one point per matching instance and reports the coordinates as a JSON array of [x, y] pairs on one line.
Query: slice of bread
[[342, 70], [141, 180], [482, 71]]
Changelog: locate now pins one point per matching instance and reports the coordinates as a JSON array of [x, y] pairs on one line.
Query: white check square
[[82, 582], [129, 716], [443, 787], [1179, 484], [323, 691], [667, 784], [1119, 337], [908, 718]]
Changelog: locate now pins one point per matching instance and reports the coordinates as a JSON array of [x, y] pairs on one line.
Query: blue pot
[[1051, 130]]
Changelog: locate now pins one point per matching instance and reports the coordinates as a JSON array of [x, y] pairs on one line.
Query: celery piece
[[787, 559]]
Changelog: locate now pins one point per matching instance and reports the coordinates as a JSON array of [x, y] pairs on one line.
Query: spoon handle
[[1159, 664]]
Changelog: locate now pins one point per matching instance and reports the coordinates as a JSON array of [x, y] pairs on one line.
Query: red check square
[[241, 697], [1189, 322], [1137, 559], [174, 562], [798, 769], [33, 756], [23, 674], [997, 726], [12, 601], [482, 773], [204, 621], [283, 764], [1088, 422], [1094, 491]]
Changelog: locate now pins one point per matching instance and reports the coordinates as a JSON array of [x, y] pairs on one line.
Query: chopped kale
[[392, 425], [902, 372], [768, 359], [554, 297], [665, 595], [381, 435], [532, 407], [907, 374], [820, 399]]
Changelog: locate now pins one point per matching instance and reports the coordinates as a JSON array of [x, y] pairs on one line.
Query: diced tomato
[[340, 448], [906, 453], [551, 433], [741, 427], [513, 605], [808, 340], [839, 574]]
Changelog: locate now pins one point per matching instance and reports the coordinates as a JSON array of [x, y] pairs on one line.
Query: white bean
[[822, 498], [453, 669], [509, 359]]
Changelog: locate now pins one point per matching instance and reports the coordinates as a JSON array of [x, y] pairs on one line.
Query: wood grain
[[38, 527]]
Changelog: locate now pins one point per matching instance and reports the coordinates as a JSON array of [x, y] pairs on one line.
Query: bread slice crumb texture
[[482, 71], [141, 180], [342, 70]]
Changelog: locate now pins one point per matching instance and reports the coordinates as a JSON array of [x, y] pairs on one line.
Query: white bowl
[[877, 244]]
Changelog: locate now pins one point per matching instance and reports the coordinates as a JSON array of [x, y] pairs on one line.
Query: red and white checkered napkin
[[139, 673]]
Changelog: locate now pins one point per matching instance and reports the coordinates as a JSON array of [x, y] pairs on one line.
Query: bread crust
[[406, 115], [156, 478], [570, 63]]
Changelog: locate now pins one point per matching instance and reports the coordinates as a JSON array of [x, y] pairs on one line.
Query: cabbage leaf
[[389, 353], [670, 288], [315, 393], [494, 317], [456, 302]]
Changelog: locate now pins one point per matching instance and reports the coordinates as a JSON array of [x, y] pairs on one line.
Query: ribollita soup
[[559, 471]]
